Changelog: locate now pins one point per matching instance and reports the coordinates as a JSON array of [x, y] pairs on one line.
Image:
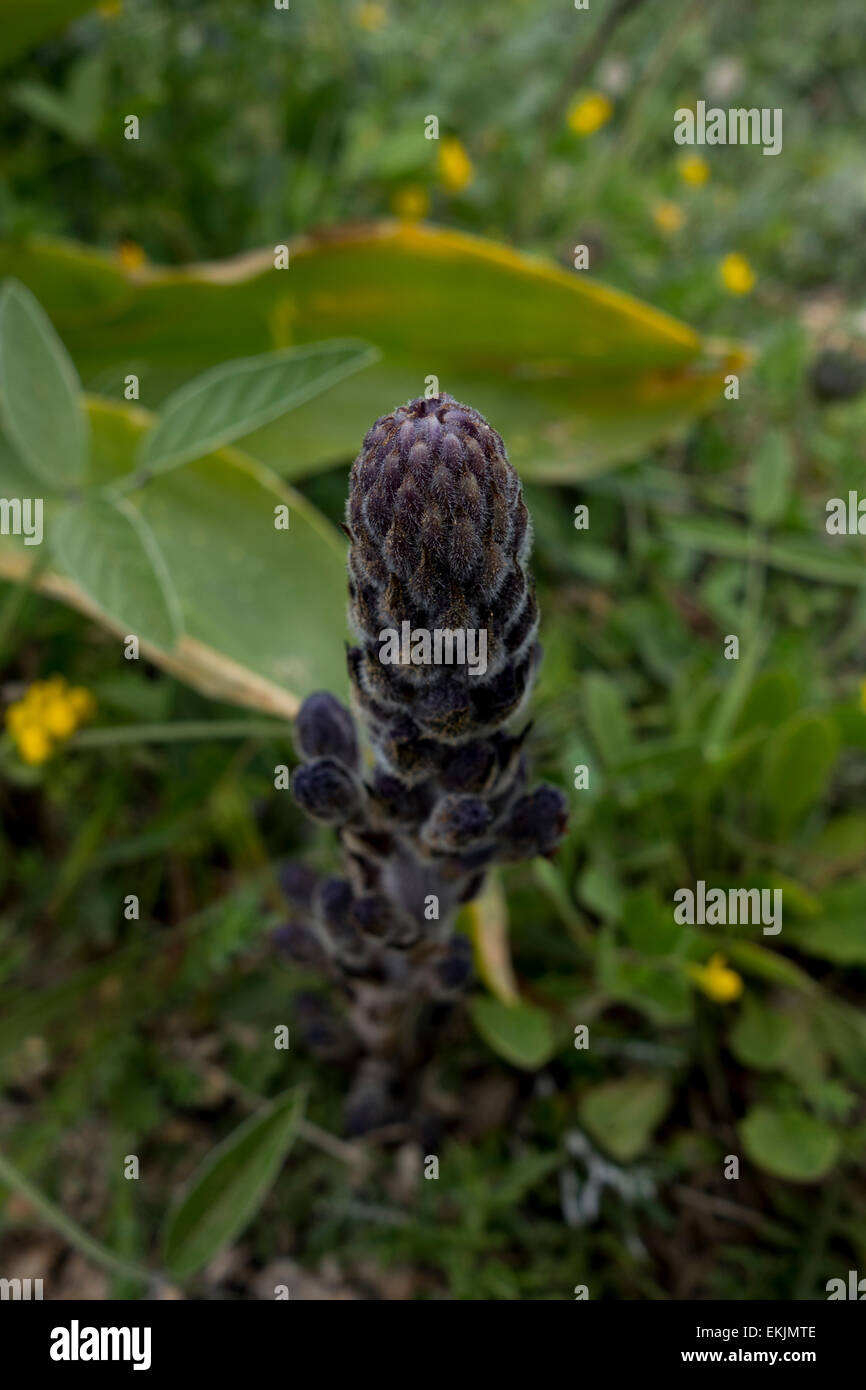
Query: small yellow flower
[[737, 275], [694, 170], [717, 980], [668, 217], [131, 255], [34, 745], [371, 17], [110, 9], [588, 114], [58, 718], [49, 711], [411, 202], [455, 167]]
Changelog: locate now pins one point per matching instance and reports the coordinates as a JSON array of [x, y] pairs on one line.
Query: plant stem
[[192, 730]]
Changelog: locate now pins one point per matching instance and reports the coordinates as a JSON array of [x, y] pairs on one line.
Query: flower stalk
[[439, 544]]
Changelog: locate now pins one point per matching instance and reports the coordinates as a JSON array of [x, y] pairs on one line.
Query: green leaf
[[764, 963], [648, 924], [574, 375], [839, 934], [43, 413], [770, 479], [606, 716], [808, 557], [230, 1186], [761, 1036], [622, 1115], [238, 397], [521, 1033], [263, 609], [106, 547], [790, 1143], [798, 759]]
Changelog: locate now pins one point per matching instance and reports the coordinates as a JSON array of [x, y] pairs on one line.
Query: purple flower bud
[[326, 790], [325, 729], [457, 821], [535, 824]]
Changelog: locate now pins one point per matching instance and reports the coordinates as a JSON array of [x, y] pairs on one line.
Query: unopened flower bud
[[326, 790], [325, 729]]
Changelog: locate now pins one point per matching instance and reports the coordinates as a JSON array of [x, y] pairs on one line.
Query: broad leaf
[[575, 376], [798, 759], [263, 609], [520, 1033], [42, 410], [230, 1186], [790, 1143], [109, 552], [231, 400], [622, 1115]]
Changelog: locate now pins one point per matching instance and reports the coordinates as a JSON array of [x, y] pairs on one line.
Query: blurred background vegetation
[[603, 1166]]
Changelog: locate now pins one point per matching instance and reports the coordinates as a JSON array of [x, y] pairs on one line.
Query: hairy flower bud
[[457, 821], [536, 824], [325, 728], [326, 790], [440, 537]]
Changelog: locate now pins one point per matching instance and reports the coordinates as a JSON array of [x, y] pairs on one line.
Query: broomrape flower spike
[[440, 540]]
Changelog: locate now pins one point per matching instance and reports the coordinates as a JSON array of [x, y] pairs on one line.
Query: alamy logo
[[21, 1289], [76, 1343], [736, 907], [856, 1288], [846, 519], [442, 646], [738, 126], [22, 516]]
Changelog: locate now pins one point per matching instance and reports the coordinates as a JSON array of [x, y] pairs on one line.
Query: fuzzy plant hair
[[440, 538]]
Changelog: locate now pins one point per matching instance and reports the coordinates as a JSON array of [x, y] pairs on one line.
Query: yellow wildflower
[[455, 167], [411, 202], [34, 745], [131, 255], [49, 711], [694, 170], [371, 17], [588, 114], [110, 9], [737, 275], [717, 980], [668, 217]]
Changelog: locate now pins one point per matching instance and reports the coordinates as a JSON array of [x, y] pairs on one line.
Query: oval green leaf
[[227, 1190], [238, 397], [42, 409], [622, 1115], [107, 549], [520, 1033], [790, 1143]]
